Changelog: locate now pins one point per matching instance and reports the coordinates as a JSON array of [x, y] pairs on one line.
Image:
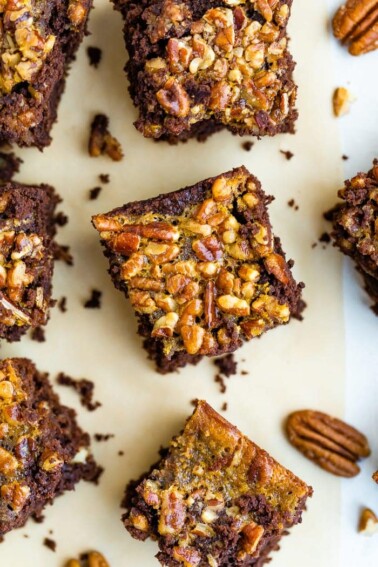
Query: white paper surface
[[301, 365]]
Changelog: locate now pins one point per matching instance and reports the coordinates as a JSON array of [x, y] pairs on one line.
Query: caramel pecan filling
[[201, 277], [21, 255], [237, 56], [24, 42]]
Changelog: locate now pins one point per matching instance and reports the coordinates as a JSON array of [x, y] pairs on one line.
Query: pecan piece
[[174, 99], [368, 524], [329, 442], [356, 24], [101, 141]]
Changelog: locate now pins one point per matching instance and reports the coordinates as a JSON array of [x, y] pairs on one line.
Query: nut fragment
[[368, 524], [8, 463], [91, 559], [329, 442], [341, 101], [101, 141], [172, 512]]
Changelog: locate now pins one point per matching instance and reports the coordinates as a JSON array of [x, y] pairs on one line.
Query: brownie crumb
[[38, 335], [224, 406], [94, 193], [25, 536], [344, 157], [101, 142], [300, 308], [94, 302], [244, 372], [227, 365], [104, 177], [94, 56], [194, 402], [293, 205], [61, 219], [314, 245], [247, 146], [84, 387], [218, 379], [9, 166], [325, 237], [103, 436], [62, 253], [49, 543], [288, 155], [62, 304], [121, 453]]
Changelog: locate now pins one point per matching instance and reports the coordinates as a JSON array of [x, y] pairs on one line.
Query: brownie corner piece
[[355, 226], [201, 267], [39, 40], [215, 498], [27, 229], [43, 451], [196, 67]]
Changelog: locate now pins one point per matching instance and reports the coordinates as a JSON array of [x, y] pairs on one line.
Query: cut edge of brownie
[[37, 204], [275, 523], [62, 439], [174, 204]]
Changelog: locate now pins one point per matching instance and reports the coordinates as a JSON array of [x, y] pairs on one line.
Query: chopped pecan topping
[[329, 442], [202, 277], [91, 559], [236, 52], [356, 24]]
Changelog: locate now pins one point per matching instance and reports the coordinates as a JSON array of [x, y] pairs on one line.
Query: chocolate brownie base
[[27, 229], [30, 94], [43, 451], [196, 67], [233, 271], [355, 226], [214, 498]]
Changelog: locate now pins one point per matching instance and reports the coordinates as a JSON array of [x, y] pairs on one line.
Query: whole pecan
[[329, 442]]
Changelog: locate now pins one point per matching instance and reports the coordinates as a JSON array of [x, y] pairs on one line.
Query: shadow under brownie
[[215, 498], [43, 452], [27, 229], [198, 66], [201, 267], [38, 41]]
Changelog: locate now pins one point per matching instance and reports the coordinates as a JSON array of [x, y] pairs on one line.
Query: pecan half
[[329, 442], [356, 24]]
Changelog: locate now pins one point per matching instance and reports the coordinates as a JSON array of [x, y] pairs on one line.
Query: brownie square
[[27, 228], [201, 267], [43, 451], [355, 226], [198, 66], [215, 498], [38, 41]]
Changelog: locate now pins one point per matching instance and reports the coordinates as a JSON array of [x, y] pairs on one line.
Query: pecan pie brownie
[[43, 451], [197, 66], [27, 228], [355, 226], [215, 498], [201, 267], [38, 40]]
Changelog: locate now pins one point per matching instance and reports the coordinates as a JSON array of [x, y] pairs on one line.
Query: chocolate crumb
[[244, 372], [194, 402], [94, 193], [62, 252], [224, 406], [247, 146], [38, 335], [288, 155], [84, 387], [325, 237], [61, 219], [344, 157], [94, 302], [220, 380], [49, 543], [121, 453], [103, 436], [101, 142], [25, 535], [62, 304], [227, 365], [9, 166], [300, 308], [314, 245], [104, 177], [94, 56]]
